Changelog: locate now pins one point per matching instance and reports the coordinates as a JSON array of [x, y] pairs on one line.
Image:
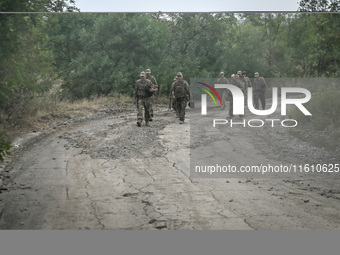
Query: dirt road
[[110, 174]]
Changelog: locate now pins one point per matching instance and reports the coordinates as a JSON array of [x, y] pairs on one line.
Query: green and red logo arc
[[208, 92]]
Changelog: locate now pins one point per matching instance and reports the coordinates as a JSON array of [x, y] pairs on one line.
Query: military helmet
[[142, 74], [179, 74], [256, 74], [148, 71], [244, 72]]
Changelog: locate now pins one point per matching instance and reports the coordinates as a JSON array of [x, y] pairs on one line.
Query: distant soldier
[[181, 94], [247, 85], [142, 94], [172, 101], [156, 90], [234, 81], [222, 92], [259, 90], [241, 81]]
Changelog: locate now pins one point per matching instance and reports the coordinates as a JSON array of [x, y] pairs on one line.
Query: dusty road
[[110, 174]]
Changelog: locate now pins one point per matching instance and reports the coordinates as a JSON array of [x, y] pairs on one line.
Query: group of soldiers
[[146, 87], [242, 81]]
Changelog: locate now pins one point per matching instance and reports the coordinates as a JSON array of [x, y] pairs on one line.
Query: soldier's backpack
[[262, 86], [179, 90]]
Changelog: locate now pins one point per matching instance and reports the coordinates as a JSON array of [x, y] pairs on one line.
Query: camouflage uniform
[[155, 86], [247, 85], [173, 102], [241, 81], [180, 89], [142, 95], [259, 90], [222, 92], [234, 81]]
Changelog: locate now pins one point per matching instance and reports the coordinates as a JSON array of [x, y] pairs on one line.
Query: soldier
[[156, 90], [143, 91], [222, 92], [260, 87], [241, 80], [172, 101], [247, 85], [181, 93], [234, 81]]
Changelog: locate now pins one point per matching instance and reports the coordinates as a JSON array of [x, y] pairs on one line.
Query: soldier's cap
[[221, 73], [179, 74], [256, 74], [142, 74], [239, 72], [148, 71]]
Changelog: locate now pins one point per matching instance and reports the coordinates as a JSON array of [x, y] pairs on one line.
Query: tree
[[100, 53]]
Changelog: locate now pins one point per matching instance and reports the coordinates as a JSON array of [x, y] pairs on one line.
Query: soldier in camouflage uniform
[[173, 102], [222, 92], [181, 93], [234, 81], [241, 80], [156, 90], [142, 94], [260, 87], [247, 85]]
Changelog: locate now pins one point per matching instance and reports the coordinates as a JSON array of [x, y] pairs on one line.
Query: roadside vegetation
[[323, 127]]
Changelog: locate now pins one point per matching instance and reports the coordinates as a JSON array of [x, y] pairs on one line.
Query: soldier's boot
[[138, 124], [181, 122], [147, 123]]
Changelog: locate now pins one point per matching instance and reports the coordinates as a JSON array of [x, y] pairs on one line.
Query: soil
[[104, 172]]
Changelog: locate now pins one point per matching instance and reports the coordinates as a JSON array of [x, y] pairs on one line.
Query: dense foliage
[[100, 53]]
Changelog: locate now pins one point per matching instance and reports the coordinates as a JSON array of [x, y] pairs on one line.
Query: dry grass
[[39, 112]]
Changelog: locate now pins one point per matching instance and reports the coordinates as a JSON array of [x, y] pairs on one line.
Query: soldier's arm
[[151, 87], [265, 84], [155, 82], [172, 89]]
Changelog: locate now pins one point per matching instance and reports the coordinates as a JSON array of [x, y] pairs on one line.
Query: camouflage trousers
[[224, 95], [181, 103], [143, 103], [259, 95], [174, 106]]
